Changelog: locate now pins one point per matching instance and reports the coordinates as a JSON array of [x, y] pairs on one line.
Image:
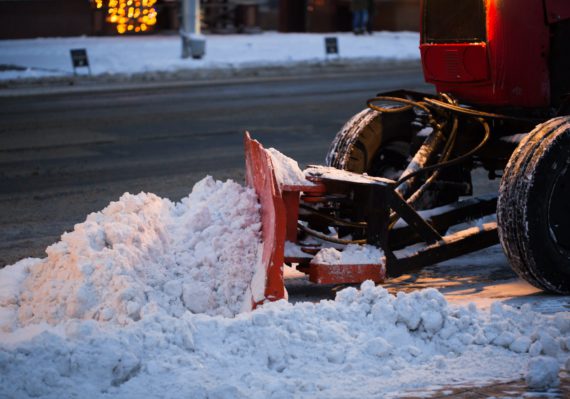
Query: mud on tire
[[533, 209]]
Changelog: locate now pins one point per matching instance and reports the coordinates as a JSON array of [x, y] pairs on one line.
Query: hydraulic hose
[[457, 160], [472, 112]]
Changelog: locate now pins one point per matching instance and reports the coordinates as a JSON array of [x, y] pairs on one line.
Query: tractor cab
[[511, 53]]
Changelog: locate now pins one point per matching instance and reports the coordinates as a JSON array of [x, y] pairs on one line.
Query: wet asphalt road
[[63, 156]]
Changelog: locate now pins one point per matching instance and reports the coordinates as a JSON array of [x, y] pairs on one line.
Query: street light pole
[[193, 42]]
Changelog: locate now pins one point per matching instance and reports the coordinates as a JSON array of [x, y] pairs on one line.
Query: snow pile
[[351, 255], [287, 171], [381, 345], [142, 255], [134, 303]]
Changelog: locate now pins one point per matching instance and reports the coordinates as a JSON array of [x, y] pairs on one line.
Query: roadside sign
[[331, 45], [79, 59]]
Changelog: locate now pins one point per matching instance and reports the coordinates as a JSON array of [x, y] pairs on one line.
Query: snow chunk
[[521, 344], [294, 251], [542, 373], [378, 347], [426, 131], [287, 171], [351, 255]]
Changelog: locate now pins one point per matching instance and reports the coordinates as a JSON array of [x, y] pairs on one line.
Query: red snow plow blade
[[280, 215], [336, 211]]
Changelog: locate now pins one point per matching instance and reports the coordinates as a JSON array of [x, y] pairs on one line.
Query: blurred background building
[[49, 18]]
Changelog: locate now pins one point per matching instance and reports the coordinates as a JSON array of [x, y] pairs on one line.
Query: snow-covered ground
[[143, 299], [44, 57]]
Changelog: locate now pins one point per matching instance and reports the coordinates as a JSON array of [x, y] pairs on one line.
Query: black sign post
[[331, 45], [79, 59]]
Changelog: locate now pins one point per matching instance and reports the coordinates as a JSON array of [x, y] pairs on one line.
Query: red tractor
[[502, 73]]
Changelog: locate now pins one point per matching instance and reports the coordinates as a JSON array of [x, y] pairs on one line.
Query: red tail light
[[464, 62]]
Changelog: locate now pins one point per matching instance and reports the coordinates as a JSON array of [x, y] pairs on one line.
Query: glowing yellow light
[[129, 15]]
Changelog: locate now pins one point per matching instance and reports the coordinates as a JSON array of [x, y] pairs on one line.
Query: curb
[[200, 77]]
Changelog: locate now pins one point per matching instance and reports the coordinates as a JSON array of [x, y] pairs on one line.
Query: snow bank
[[366, 343], [142, 255], [351, 255], [134, 303], [128, 55]]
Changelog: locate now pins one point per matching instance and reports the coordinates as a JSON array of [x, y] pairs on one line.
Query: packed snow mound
[[352, 254], [287, 171], [381, 345], [140, 255]]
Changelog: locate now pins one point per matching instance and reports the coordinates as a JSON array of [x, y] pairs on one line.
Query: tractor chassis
[[418, 239], [302, 215]]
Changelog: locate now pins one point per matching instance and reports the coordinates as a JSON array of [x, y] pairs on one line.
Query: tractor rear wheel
[[533, 210], [380, 144], [373, 143]]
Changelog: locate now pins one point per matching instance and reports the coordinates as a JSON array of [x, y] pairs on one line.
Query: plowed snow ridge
[[149, 298]]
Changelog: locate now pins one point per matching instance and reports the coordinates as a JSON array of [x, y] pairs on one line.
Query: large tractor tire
[[380, 144], [373, 143], [533, 209]]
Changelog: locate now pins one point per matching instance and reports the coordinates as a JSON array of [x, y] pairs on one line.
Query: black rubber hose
[[455, 161]]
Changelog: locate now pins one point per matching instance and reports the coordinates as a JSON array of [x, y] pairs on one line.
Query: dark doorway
[[292, 15]]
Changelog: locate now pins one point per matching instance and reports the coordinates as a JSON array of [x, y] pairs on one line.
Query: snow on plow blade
[[279, 215]]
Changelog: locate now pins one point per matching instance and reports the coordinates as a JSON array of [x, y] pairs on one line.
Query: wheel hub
[[390, 160], [559, 211]]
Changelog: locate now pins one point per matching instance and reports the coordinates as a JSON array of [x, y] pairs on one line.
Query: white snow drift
[[143, 299]]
